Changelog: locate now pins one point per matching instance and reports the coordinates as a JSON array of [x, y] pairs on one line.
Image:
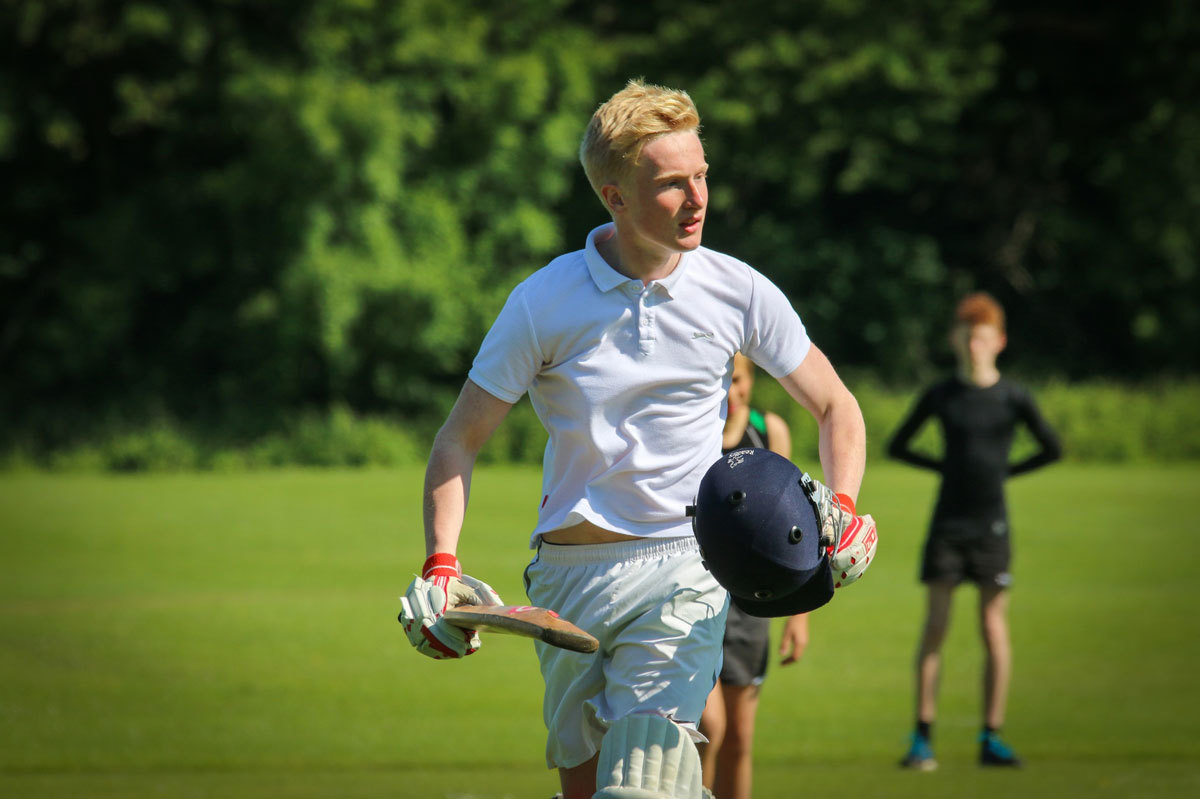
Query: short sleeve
[[509, 357], [775, 338]]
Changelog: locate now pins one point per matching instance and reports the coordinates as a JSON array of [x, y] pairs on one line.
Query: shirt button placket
[[646, 334]]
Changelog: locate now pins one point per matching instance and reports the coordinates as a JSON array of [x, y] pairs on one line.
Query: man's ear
[[613, 200]]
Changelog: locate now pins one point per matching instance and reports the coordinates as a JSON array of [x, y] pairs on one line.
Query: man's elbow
[[453, 445], [845, 406]]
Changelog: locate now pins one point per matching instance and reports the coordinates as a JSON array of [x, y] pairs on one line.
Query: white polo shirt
[[630, 380]]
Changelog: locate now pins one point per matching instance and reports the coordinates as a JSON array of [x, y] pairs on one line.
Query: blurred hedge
[[1098, 422]]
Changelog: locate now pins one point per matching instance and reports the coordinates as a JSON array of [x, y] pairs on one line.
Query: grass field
[[234, 636]]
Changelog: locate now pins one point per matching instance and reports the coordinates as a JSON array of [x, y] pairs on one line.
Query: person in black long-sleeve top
[[968, 536]]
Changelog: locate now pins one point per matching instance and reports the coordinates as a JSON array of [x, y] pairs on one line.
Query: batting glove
[[849, 540], [442, 585], [854, 551]]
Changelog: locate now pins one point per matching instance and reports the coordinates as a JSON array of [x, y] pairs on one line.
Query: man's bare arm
[[842, 431], [475, 416]]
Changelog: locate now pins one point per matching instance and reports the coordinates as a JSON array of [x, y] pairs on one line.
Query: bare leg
[[735, 765], [579, 782], [712, 725], [993, 622], [929, 659]]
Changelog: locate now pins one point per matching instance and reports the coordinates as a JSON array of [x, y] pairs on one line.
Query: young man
[[968, 536], [730, 713], [624, 348]]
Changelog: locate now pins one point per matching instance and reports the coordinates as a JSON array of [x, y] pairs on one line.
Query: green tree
[[1077, 202], [233, 214], [227, 211], [878, 160]]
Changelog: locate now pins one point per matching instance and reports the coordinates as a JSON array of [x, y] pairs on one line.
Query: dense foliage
[[1098, 422], [237, 215]]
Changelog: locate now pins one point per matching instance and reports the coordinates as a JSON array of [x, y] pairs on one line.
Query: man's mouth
[[691, 225]]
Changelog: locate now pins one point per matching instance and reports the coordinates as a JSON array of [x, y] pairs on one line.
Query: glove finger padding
[[832, 512], [466, 590], [855, 551], [421, 610], [448, 641]]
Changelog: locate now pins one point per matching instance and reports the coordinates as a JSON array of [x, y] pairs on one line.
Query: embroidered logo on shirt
[[701, 334]]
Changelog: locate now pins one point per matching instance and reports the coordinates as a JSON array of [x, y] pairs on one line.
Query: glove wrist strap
[[846, 502], [441, 564]]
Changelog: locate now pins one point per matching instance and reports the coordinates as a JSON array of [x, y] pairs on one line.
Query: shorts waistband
[[638, 549]]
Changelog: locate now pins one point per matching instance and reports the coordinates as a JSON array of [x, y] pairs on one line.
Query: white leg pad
[[644, 756]]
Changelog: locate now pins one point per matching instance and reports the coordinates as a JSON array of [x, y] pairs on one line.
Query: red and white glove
[[850, 540], [442, 585], [855, 551]]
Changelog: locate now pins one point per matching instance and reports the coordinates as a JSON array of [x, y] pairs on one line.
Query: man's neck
[[634, 262]]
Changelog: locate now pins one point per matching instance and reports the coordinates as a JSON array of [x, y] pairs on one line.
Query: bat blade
[[524, 620]]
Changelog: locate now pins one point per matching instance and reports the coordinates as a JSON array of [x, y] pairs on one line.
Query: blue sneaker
[[920, 754], [994, 752]]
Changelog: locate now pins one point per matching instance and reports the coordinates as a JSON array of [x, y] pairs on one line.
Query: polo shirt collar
[[606, 278], [676, 275]]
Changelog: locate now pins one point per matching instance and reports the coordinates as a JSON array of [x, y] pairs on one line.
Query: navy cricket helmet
[[759, 534]]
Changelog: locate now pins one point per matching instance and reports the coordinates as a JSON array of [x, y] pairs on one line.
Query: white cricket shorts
[[659, 617]]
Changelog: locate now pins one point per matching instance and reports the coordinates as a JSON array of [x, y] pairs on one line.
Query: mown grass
[[201, 635]]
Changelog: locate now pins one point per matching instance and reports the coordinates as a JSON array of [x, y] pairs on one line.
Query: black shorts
[[979, 552], [746, 649]]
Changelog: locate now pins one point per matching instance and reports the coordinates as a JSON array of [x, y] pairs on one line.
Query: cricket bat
[[530, 622]]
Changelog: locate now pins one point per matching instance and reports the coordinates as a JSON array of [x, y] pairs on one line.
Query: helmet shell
[[759, 534]]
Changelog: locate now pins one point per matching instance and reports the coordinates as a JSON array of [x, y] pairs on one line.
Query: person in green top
[[729, 715]]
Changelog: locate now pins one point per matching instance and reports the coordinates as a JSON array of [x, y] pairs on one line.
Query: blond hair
[[627, 122]]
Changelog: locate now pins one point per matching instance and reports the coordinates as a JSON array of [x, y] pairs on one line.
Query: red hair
[[980, 308]]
